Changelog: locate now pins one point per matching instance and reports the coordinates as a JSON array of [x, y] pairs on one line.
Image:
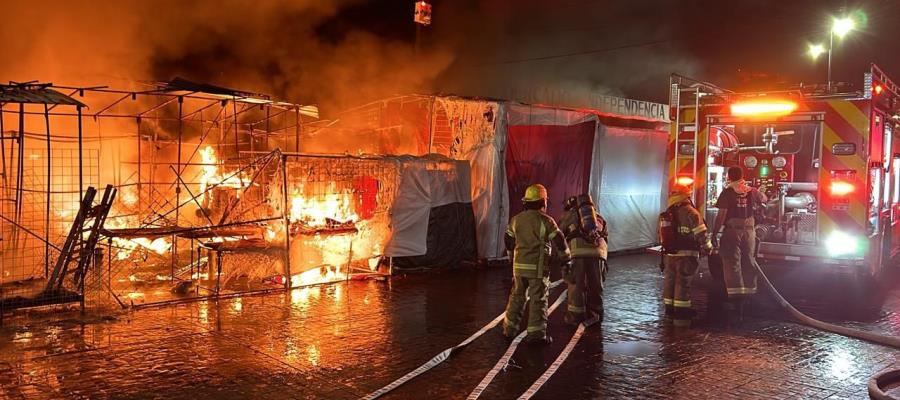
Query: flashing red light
[[684, 181], [841, 188], [878, 89]]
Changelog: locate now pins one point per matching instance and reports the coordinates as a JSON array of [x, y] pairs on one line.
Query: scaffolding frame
[[245, 118]]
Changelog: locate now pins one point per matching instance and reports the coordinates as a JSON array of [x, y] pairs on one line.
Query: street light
[[815, 50], [840, 27]]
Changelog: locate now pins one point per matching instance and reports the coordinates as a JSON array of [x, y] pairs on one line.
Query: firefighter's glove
[[567, 268], [662, 264], [707, 248]]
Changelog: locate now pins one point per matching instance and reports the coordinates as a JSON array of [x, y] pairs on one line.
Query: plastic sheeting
[[626, 175], [423, 186], [473, 125], [632, 182], [557, 156]]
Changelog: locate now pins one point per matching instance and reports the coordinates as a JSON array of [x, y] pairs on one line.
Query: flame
[[128, 197], [318, 210], [210, 175], [127, 246], [323, 274]]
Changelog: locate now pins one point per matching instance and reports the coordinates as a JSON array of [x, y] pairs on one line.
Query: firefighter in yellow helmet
[[684, 238], [533, 239], [586, 234]]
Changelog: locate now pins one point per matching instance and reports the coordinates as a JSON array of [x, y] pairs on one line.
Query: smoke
[[272, 47], [562, 53]]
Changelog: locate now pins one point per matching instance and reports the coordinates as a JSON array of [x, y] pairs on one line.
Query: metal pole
[[49, 189], [139, 160], [237, 151], [431, 125], [287, 223], [21, 160], [297, 132], [3, 156], [80, 156], [830, 49], [177, 187], [268, 126]]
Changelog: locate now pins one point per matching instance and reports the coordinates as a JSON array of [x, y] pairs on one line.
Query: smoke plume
[[272, 47]]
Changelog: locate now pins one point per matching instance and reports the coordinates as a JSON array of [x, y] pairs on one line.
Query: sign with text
[[578, 96]]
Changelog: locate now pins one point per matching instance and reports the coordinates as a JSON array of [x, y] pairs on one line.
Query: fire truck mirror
[[843, 149]]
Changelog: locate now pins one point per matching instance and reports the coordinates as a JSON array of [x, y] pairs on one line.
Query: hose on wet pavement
[[442, 356], [876, 382], [504, 360]]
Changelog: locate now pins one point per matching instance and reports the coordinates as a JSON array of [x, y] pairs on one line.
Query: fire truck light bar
[[757, 108]]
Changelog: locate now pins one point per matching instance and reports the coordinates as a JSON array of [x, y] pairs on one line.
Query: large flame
[[125, 247], [317, 211], [210, 175]]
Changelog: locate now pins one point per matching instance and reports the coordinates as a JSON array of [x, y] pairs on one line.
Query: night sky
[[341, 53], [630, 47]]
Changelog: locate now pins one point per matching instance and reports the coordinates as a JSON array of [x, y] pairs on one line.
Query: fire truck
[[828, 162]]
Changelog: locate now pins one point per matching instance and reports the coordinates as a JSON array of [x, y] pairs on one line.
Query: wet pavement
[[345, 340]]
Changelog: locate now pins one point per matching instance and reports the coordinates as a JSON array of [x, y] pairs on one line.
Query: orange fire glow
[[318, 210], [210, 175]]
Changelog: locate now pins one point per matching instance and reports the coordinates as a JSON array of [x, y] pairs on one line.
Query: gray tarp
[[632, 181]]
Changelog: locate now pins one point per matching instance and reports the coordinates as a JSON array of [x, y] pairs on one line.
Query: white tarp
[[423, 185], [631, 184]]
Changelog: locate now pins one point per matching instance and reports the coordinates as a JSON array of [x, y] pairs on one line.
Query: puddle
[[633, 348]]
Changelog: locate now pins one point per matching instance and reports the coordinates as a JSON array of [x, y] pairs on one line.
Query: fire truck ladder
[[684, 98], [81, 242]]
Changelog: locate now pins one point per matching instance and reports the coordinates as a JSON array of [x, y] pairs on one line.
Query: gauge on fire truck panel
[[750, 162], [779, 162]]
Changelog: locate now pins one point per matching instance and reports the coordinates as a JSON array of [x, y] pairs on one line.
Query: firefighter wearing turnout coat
[[684, 238], [586, 233], [533, 239], [737, 205]]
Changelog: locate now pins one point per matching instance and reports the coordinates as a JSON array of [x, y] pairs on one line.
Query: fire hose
[[877, 381]]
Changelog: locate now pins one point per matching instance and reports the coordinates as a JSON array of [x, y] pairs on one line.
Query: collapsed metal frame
[[242, 105]]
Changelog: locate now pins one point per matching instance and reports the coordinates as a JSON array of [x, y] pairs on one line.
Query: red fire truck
[[828, 162]]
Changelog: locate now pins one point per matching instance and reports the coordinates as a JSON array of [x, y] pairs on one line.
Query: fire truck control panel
[[766, 171]]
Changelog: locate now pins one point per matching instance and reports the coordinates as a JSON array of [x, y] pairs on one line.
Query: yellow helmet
[[535, 192], [679, 194]]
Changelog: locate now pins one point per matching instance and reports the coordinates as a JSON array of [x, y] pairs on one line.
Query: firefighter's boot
[[670, 310], [538, 339], [682, 317]]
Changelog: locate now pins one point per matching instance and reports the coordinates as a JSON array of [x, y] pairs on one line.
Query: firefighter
[[533, 239], [737, 205], [585, 231], [684, 237]]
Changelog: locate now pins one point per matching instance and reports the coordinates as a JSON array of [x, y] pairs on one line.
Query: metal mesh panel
[[26, 258]]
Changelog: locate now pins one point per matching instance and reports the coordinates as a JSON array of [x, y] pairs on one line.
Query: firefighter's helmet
[[679, 194], [535, 192]]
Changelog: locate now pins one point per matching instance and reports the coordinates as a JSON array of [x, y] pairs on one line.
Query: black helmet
[[570, 203], [585, 199]]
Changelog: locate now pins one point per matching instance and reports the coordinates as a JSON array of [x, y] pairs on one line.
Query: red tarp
[[556, 156]]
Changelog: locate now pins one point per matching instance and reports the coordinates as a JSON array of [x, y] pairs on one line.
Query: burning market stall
[[204, 202]]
